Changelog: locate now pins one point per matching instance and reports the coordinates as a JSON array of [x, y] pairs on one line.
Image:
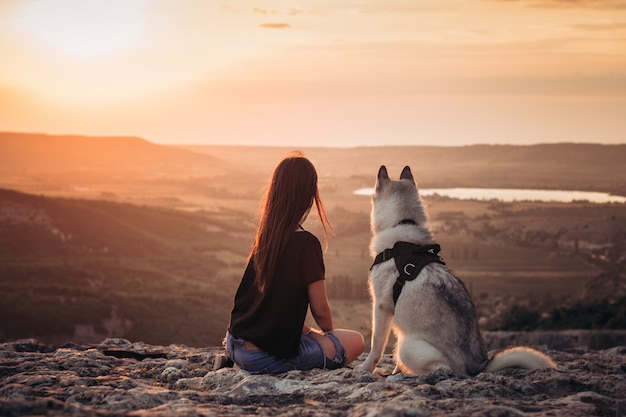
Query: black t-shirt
[[273, 320]]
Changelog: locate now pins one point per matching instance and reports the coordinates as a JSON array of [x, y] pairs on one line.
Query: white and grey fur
[[434, 318]]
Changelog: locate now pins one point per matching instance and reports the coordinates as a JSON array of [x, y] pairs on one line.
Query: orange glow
[[325, 73]]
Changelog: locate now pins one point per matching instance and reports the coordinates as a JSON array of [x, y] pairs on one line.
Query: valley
[[152, 248]]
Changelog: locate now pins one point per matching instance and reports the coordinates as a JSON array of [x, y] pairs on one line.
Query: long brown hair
[[289, 196]]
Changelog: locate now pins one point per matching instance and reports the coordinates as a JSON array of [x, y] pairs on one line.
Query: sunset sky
[[316, 72]]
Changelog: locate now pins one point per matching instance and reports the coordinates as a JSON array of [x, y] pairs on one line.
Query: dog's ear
[[406, 174], [382, 177], [382, 173]]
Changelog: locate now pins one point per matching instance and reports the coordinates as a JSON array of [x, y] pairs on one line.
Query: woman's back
[[273, 320]]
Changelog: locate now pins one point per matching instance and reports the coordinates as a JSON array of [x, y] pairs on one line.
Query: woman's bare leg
[[352, 341]]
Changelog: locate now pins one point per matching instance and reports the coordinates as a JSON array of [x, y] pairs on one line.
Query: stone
[[122, 378]]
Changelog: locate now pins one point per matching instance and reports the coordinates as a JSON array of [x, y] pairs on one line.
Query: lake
[[510, 194]]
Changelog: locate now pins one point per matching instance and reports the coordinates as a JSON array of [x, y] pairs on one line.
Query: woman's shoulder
[[305, 237]]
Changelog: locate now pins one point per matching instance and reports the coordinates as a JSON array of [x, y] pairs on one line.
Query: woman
[[284, 276]]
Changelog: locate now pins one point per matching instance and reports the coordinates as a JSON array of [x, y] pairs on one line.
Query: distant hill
[[75, 269], [43, 163], [568, 166], [58, 153]]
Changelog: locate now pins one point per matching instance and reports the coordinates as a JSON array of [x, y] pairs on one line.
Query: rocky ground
[[120, 378]]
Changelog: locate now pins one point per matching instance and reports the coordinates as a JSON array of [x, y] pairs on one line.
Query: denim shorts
[[310, 356]]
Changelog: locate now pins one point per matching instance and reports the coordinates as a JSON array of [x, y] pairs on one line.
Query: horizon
[[319, 74], [325, 146]]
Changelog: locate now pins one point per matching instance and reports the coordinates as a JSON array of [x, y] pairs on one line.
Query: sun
[[86, 28]]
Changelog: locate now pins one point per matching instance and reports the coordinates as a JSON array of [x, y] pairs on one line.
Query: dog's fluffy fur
[[434, 318]]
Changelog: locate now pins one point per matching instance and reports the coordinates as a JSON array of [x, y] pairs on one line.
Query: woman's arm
[[320, 309]]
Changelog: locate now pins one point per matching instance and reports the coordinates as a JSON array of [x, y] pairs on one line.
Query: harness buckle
[[407, 266]]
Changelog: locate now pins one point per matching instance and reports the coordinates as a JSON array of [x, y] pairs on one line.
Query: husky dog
[[434, 318]]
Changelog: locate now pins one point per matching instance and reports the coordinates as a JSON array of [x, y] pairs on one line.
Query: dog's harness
[[410, 259]]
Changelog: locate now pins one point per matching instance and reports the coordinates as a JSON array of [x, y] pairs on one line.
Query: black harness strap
[[410, 259]]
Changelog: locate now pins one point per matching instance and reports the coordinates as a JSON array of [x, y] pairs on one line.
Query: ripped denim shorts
[[310, 356]]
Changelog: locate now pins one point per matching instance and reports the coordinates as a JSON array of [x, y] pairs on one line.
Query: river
[[511, 194]]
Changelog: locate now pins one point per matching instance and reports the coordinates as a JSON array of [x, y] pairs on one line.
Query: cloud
[[579, 4], [600, 26], [264, 11], [275, 25], [290, 12], [554, 67]]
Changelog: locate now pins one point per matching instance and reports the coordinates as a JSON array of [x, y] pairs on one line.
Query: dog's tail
[[521, 357]]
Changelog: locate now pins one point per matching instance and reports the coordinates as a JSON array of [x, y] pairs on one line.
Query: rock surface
[[120, 378]]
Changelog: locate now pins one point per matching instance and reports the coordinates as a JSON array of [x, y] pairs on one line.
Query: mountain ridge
[[43, 152], [98, 159], [566, 166]]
